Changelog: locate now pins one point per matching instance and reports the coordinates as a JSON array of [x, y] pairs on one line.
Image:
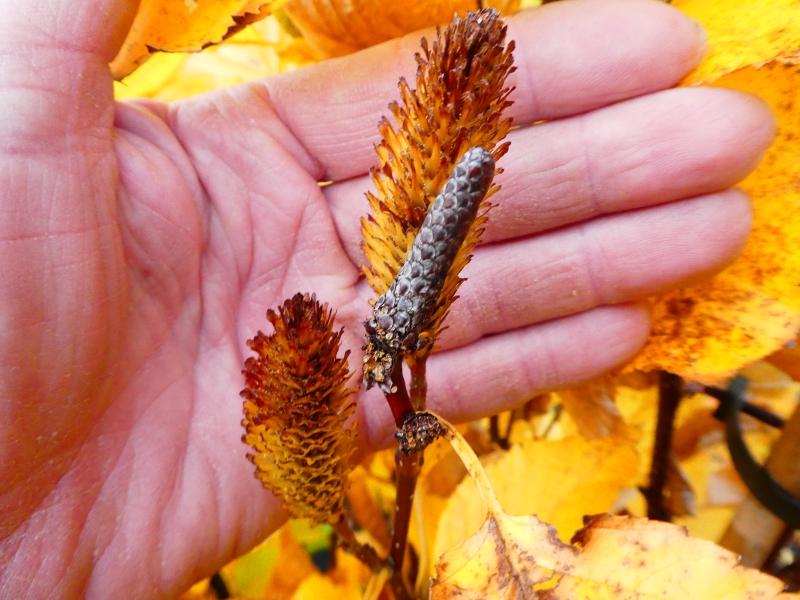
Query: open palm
[[140, 245]]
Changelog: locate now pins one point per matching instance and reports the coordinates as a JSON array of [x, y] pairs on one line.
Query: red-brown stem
[[399, 402], [363, 552], [419, 383], [406, 472], [670, 392], [407, 469]]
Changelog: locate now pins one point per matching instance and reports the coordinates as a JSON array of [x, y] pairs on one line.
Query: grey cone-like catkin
[[401, 314]]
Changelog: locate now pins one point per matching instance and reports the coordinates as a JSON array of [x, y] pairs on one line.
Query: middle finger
[[654, 149]]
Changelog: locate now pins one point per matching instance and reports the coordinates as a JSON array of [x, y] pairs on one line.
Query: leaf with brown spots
[[708, 331], [611, 557]]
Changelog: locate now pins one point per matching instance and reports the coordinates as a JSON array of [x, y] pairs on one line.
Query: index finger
[[571, 57]]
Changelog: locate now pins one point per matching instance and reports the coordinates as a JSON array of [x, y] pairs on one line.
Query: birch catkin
[[298, 409], [405, 309]]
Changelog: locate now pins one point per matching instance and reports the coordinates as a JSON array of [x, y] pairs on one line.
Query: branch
[[363, 552], [419, 383], [726, 397], [670, 392], [399, 402], [408, 467]]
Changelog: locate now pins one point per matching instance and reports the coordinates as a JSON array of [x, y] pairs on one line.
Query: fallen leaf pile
[[610, 557]]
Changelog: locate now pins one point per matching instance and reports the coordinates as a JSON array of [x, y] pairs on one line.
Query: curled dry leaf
[[591, 405], [297, 409], [457, 104], [261, 50], [611, 557], [708, 331], [336, 27], [183, 26]]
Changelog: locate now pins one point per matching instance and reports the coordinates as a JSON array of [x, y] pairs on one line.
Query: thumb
[[54, 76], [60, 266], [96, 28]]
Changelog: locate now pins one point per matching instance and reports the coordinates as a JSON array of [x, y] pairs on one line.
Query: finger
[[610, 260], [571, 57], [666, 146], [502, 371], [672, 145]]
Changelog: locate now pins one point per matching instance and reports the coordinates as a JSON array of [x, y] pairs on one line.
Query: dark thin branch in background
[[218, 586], [761, 414], [670, 392], [366, 554], [494, 432]]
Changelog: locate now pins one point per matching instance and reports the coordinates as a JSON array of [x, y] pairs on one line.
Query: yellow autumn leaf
[[743, 33], [336, 27], [787, 360], [346, 581], [260, 50], [558, 480], [699, 445], [717, 489], [439, 477], [183, 26], [591, 405], [708, 331], [292, 568], [612, 557], [660, 561]]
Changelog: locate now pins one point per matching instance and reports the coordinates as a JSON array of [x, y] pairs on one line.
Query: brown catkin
[[405, 309], [298, 409], [456, 103]]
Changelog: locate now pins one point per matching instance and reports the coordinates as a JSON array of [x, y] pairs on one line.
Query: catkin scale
[[401, 314]]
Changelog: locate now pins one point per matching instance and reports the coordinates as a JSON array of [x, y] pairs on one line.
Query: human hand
[[140, 245]]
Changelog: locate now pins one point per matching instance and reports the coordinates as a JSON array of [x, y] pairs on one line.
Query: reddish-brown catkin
[[406, 308], [297, 409]]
